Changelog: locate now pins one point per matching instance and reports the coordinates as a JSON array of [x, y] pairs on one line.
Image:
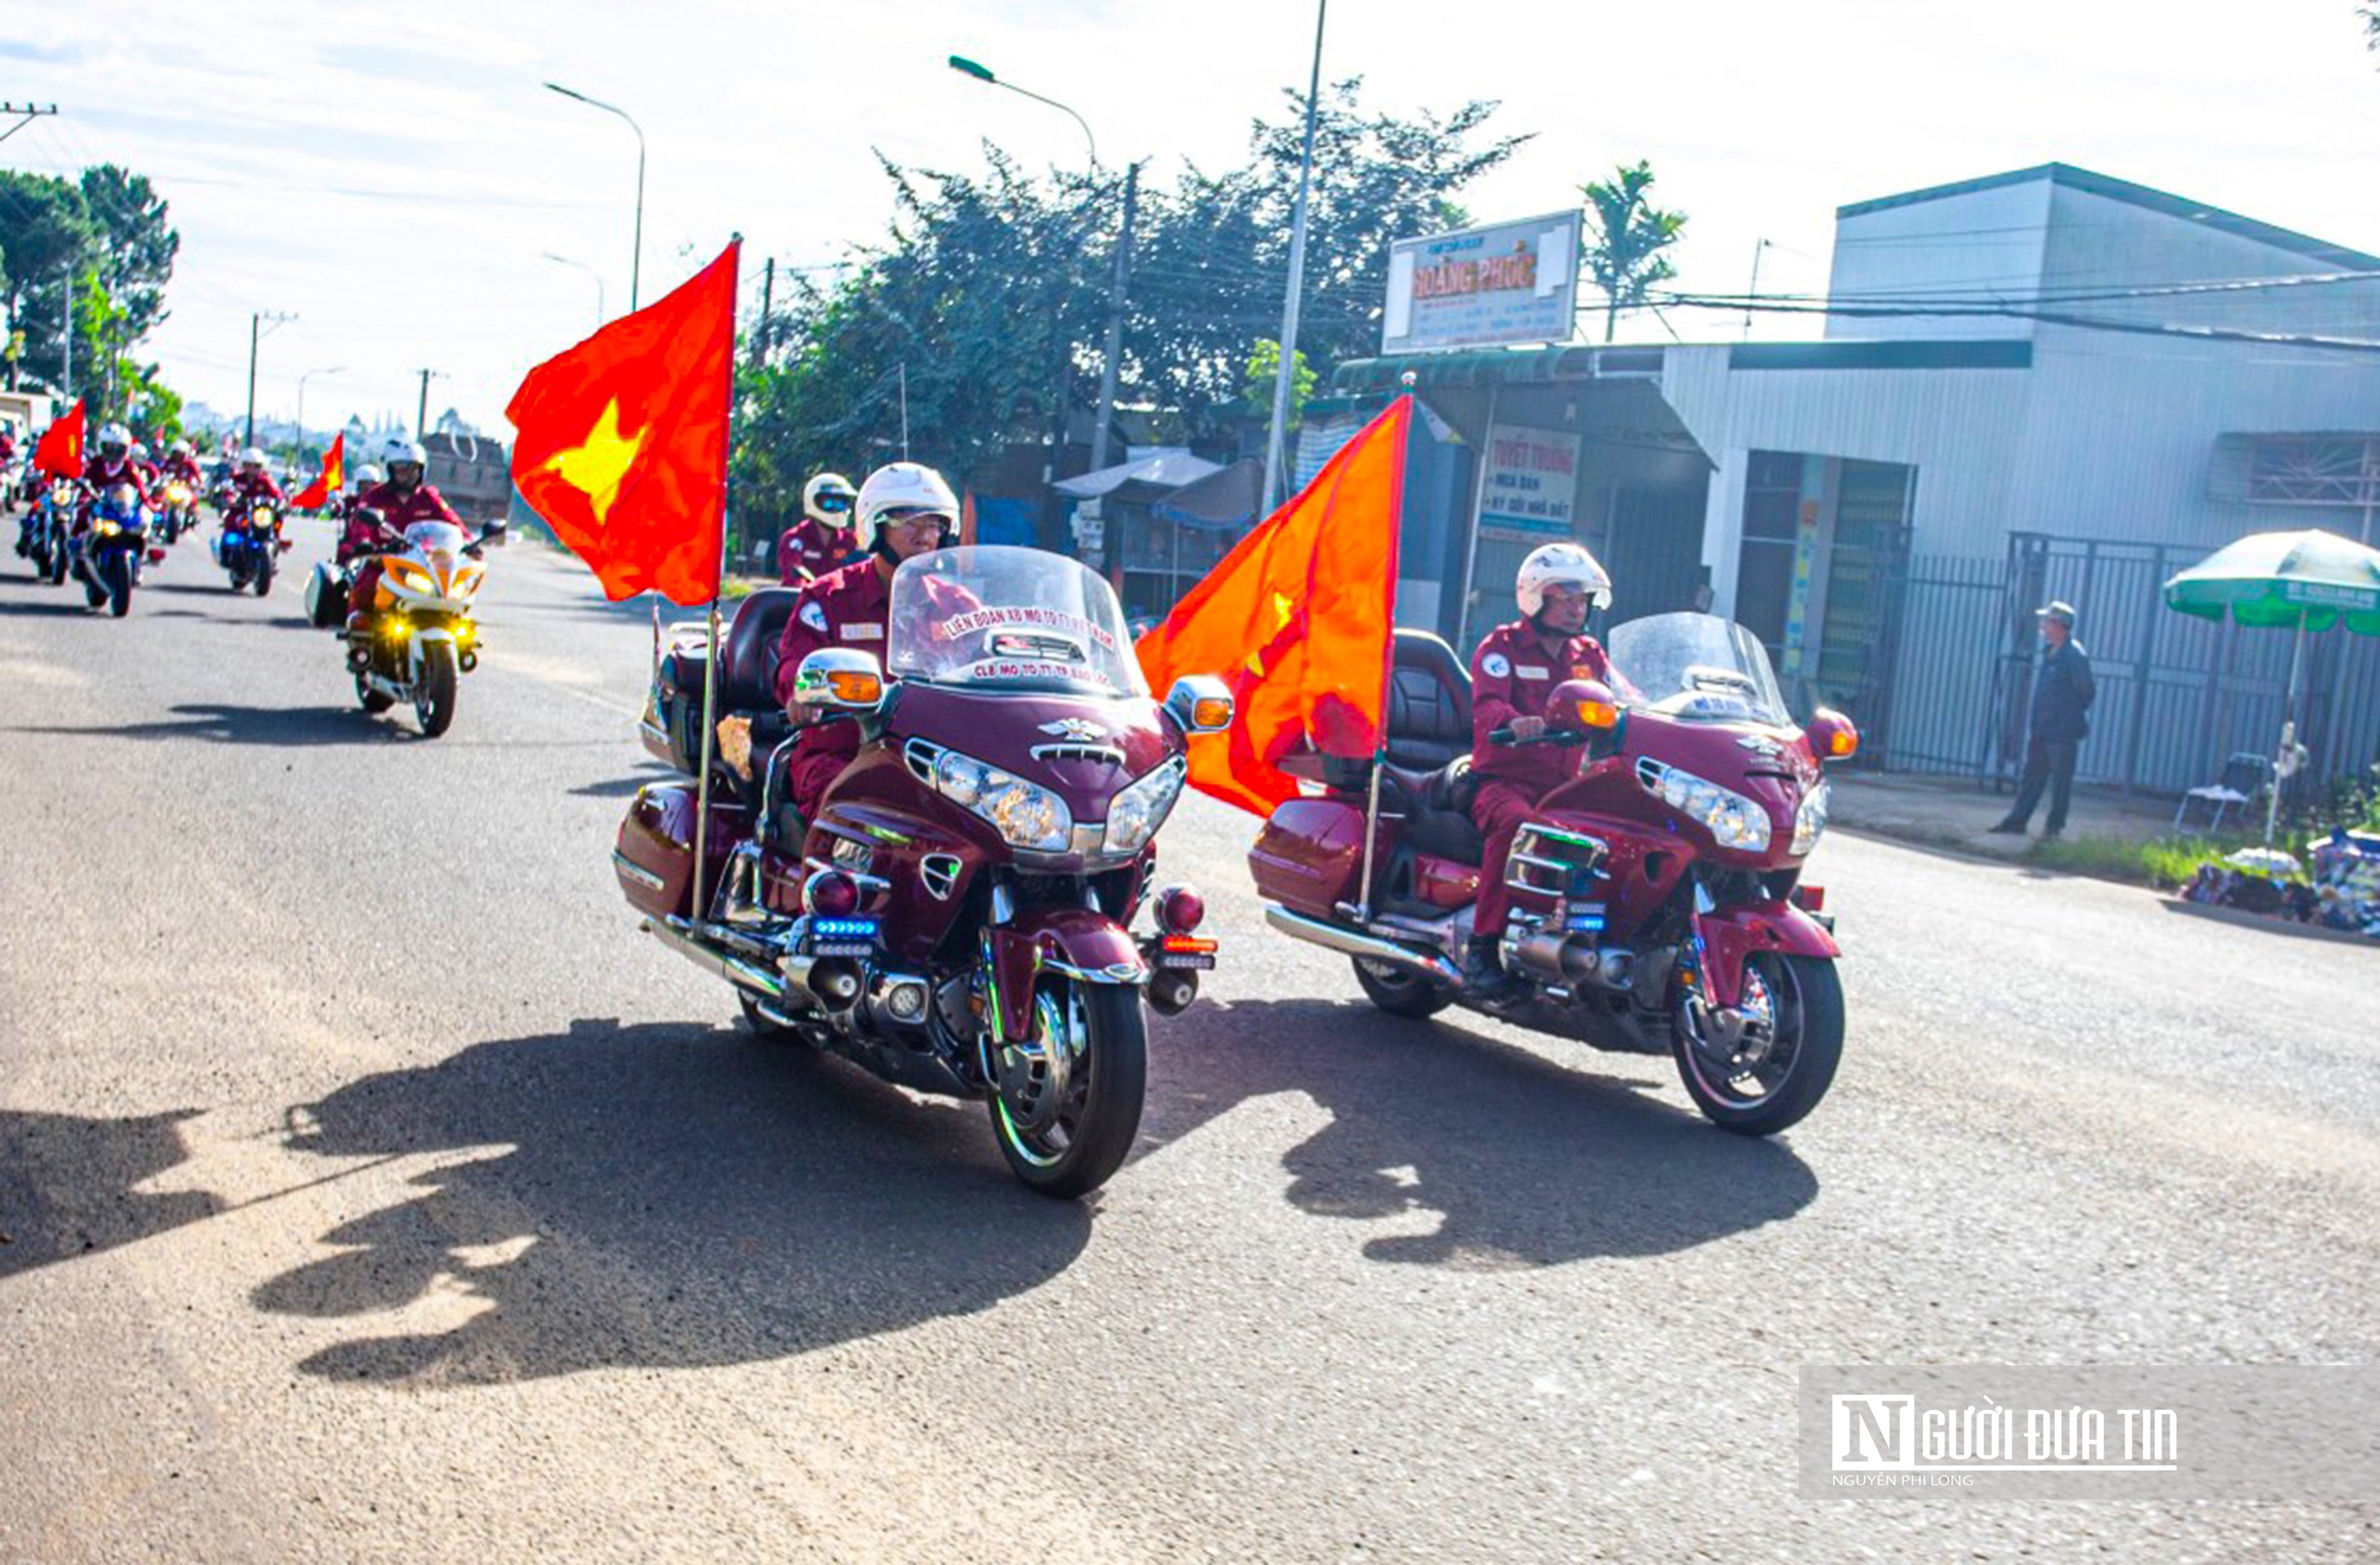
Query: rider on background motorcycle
[[182, 466], [822, 540], [253, 483], [362, 529], [905, 510], [1512, 678], [110, 466], [148, 472], [403, 500]]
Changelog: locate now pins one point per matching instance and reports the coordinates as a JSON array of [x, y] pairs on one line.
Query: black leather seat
[[747, 653]]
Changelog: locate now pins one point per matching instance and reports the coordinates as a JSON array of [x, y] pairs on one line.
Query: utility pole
[[1277, 463], [422, 413], [28, 112], [256, 320], [65, 377], [768, 288], [1116, 285]]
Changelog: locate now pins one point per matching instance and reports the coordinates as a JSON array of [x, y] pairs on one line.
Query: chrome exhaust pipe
[[1354, 943], [832, 981], [679, 938], [1170, 993]]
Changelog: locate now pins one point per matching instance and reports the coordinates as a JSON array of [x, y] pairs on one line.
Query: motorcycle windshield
[[1698, 668], [999, 618], [437, 540]]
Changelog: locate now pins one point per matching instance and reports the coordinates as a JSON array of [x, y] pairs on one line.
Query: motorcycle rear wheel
[[1399, 991], [1804, 996], [1092, 1131]]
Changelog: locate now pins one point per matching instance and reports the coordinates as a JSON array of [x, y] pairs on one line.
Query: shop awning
[[1225, 499], [1166, 466]]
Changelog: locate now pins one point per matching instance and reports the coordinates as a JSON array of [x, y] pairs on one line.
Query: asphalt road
[[373, 1191]]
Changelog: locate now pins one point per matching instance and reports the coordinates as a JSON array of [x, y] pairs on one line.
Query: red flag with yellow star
[[1313, 592], [59, 452], [623, 442], [329, 481]]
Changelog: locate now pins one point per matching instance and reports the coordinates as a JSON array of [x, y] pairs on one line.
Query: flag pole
[[1388, 673], [718, 591]]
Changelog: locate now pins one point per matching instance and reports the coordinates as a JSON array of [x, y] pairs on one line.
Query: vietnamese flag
[[623, 444], [1313, 592], [59, 452], [332, 478]]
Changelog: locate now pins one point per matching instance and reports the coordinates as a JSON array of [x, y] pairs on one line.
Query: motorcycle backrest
[[1429, 702], [748, 655]]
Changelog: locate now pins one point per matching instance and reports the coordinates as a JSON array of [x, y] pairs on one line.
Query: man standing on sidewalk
[[2061, 696]]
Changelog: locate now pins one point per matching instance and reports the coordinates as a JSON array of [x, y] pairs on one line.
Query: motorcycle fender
[[1729, 935], [417, 648], [1091, 944]]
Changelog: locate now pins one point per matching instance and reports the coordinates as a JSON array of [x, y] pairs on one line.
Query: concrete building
[[2047, 383]]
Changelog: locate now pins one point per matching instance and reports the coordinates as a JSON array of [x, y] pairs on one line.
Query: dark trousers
[[2048, 763]]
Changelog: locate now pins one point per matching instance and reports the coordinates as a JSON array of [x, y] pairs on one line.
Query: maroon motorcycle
[[958, 916], [1657, 903]]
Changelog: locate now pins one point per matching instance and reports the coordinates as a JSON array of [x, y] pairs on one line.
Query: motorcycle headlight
[[412, 577], [1738, 823], [263, 517], [1026, 814], [1135, 815], [1810, 821]]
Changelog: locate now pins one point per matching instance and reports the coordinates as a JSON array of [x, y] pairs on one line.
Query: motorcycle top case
[[326, 597], [654, 860]]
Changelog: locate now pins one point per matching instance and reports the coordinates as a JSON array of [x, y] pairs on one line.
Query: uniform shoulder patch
[[1494, 665], [814, 617]]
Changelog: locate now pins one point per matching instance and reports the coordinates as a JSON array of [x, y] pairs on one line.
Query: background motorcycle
[[959, 919], [108, 554], [422, 636], [1657, 903], [179, 513], [49, 524], [251, 546]]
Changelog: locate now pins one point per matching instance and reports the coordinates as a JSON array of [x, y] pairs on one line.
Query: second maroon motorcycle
[[958, 916], [1657, 901]]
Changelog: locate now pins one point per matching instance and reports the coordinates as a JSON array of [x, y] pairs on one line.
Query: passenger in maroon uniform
[[823, 540], [1512, 678]]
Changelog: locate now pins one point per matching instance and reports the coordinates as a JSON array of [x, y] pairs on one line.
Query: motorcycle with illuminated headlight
[[251, 546], [958, 917], [177, 509], [108, 554], [1657, 903], [417, 637], [49, 526]]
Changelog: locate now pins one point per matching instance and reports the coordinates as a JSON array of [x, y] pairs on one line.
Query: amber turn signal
[[855, 687], [1211, 712], [1597, 714]]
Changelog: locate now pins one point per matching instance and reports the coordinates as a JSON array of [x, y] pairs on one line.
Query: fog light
[[906, 1002]]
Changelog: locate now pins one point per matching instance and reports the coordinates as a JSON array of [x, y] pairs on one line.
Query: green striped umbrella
[[2299, 581]]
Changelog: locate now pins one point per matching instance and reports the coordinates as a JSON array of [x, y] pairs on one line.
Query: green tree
[[1627, 238], [137, 245], [45, 232], [1264, 371]]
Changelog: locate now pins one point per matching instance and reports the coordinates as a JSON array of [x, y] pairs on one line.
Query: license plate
[[1194, 961], [844, 948]]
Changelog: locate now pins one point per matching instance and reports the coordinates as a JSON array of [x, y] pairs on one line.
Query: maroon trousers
[[1499, 810]]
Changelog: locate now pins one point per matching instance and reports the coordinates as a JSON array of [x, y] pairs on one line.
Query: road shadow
[[623, 787], [660, 1197], [65, 1185], [224, 724], [1528, 1163], [53, 607]]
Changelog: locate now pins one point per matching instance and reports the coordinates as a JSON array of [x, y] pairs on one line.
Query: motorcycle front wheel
[[1065, 1139], [434, 702], [371, 700], [117, 573], [1781, 1064], [265, 577]]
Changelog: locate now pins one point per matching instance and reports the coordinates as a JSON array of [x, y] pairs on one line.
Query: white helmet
[[139, 451], [115, 436], [400, 449], [253, 457], [368, 474], [183, 448], [827, 500], [902, 486], [1561, 564]]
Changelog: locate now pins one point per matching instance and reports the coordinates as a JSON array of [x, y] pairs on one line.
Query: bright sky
[[393, 175]]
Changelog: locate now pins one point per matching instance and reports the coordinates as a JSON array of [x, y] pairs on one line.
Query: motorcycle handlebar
[[1550, 736]]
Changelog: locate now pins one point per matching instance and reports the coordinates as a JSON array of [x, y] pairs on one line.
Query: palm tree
[[1624, 253]]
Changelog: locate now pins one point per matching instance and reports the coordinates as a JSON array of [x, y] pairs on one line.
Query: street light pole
[[309, 374], [1276, 442], [637, 254], [602, 314], [966, 66], [422, 413]]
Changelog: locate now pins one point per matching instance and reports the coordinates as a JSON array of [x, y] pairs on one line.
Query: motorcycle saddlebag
[[654, 858], [326, 597], [1309, 856]]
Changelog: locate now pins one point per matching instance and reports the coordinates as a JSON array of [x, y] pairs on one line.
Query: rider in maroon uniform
[[822, 540], [110, 466], [1512, 679], [905, 510], [403, 500]]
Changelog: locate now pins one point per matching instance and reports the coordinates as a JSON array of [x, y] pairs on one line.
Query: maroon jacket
[[1511, 676], [809, 550], [405, 508], [248, 487], [185, 468], [100, 476]]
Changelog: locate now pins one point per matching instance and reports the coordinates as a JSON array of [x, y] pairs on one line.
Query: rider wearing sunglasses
[[821, 541]]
